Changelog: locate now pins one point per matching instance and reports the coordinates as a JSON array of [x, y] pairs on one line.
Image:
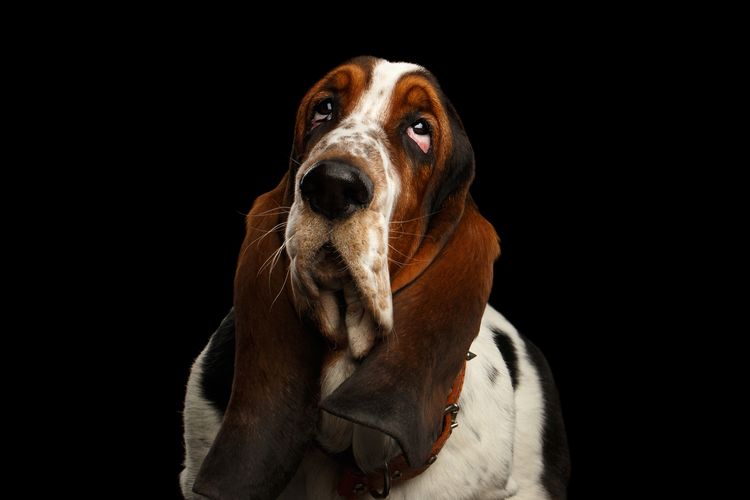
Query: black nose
[[335, 189]]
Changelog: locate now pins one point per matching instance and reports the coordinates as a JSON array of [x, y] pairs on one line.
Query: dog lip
[[330, 272], [322, 274], [327, 250]]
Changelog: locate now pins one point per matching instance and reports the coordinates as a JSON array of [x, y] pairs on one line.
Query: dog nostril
[[336, 189], [359, 197]]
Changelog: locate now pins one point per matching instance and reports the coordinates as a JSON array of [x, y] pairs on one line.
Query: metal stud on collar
[[453, 409]]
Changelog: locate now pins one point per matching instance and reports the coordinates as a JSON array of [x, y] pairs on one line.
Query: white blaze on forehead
[[371, 110], [385, 75]]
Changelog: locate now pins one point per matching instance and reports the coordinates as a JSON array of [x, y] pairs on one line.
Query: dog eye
[[419, 131], [323, 112], [421, 127]]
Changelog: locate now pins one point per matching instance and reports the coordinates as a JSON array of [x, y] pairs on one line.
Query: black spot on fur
[[555, 443], [508, 352], [218, 365], [493, 374]]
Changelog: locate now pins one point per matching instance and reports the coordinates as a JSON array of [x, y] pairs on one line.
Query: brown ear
[[402, 386], [272, 411]]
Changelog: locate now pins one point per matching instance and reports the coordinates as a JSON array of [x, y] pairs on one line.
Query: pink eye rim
[[322, 112], [420, 133]]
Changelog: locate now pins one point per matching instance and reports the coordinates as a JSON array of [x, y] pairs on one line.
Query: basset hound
[[361, 358]]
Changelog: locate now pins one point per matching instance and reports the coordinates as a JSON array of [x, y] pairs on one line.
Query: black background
[[202, 125]]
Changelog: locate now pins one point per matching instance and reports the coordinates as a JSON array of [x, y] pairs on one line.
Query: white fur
[[385, 75], [335, 433], [495, 451], [202, 423]]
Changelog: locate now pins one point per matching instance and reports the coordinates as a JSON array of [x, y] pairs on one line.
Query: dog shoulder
[[206, 399], [541, 457]]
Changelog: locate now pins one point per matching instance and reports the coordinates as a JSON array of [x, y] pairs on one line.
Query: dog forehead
[[364, 124], [374, 102]]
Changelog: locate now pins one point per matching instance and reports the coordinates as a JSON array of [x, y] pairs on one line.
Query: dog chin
[[339, 302]]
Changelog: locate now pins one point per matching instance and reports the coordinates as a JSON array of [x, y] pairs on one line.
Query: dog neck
[[372, 461]]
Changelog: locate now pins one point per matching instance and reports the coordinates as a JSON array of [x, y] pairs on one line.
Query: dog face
[[372, 138]]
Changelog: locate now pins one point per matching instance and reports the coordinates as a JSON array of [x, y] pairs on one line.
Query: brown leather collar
[[353, 482]]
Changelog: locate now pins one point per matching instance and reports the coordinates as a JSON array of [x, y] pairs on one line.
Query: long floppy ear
[[438, 301], [272, 411]]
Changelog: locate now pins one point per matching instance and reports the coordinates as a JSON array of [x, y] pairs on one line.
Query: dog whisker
[[398, 262], [411, 260], [397, 251], [294, 292], [415, 219], [273, 258], [402, 233], [276, 259], [266, 233], [279, 212], [271, 211], [274, 228], [286, 277]]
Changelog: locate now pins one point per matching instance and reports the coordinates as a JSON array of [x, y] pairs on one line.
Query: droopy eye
[[323, 112], [419, 131]]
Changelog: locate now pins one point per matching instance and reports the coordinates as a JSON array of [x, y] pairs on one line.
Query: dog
[[361, 356]]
